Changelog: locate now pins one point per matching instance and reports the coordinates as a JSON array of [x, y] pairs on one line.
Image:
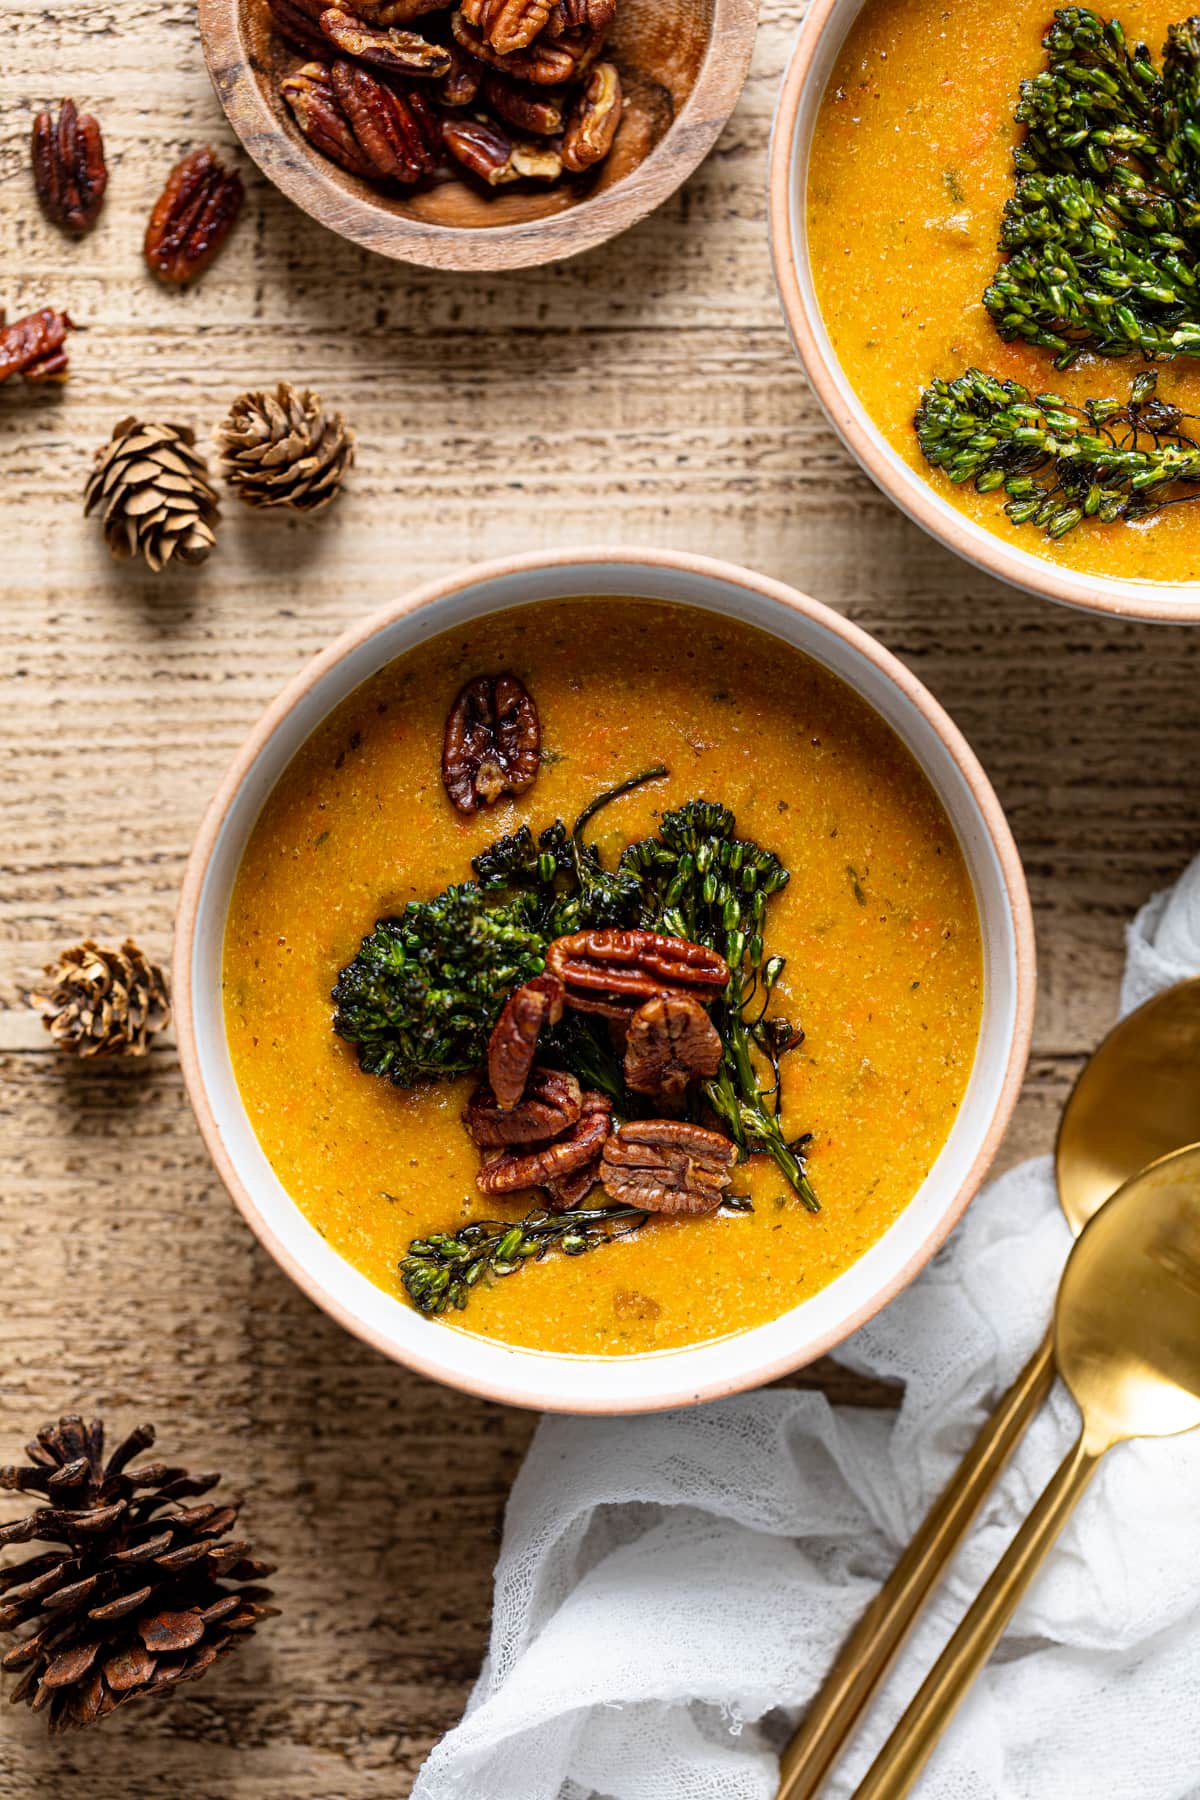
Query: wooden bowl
[[683, 64]]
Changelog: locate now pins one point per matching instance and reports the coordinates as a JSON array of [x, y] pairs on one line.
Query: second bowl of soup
[[602, 982], [991, 293]]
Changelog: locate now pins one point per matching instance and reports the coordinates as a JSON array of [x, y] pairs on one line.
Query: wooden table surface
[[644, 393]]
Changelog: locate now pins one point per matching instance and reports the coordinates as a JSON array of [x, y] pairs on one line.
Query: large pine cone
[[284, 449], [98, 1002], [152, 486], [137, 1594]]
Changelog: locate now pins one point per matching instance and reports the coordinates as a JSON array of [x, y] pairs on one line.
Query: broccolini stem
[[440, 1271], [656, 772]]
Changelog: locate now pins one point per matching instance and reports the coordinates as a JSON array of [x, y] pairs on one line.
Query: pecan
[[552, 1104], [69, 170], [507, 25], [493, 739], [667, 1166], [309, 93], [514, 1040], [298, 21], [398, 133], [33, 347], [496, 158], [594, 119], [398, 12], [194, 215], [537, 1165], [671, 1041], [527, 108], [546, 65], [580, 15], [568, 1191], [614, 972], [401, 52], [461, 86]]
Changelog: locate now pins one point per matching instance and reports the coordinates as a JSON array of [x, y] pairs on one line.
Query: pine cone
[[104, 1002], [283, 449], [153, 487], [137, 1594]]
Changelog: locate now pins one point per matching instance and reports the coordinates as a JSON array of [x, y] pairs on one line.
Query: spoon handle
[[906, 1752], [868, 1652]]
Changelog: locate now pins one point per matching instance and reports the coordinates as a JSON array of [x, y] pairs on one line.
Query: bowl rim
[[674, 1390], [305, 178], [1164, 602]]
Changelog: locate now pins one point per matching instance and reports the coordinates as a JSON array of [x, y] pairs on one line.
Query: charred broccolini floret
[[1060, 464], [426, 987], [1102, 234]]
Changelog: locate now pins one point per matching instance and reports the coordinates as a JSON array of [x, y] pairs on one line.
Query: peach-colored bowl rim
[[1172, 603], [994, 820]]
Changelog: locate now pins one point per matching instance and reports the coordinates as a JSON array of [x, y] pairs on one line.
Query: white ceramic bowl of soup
[[642, 1382], [818, 46]]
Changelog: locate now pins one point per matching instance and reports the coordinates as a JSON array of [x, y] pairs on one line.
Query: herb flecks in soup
[[876, 930], [914, 157]]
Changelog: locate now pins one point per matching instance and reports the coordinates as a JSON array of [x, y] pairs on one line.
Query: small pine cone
[[104, 1002], [137, 1592], [283, 449], [152, 486]]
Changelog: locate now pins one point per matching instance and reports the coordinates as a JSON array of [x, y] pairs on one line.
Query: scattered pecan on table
[[493, 742], [514, 1040], [671, 1042], [33, 347], [667, 1166], [553, 1103], [613, 972], [541, 1165], [192, 217], [69, 171]]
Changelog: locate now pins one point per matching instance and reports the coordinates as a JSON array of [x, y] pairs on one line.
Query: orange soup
[[911, 165], [877, 924]]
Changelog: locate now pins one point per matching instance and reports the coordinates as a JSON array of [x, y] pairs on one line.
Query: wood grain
[[642, 393]]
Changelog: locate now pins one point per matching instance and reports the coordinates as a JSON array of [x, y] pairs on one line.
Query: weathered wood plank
[[644, 393]]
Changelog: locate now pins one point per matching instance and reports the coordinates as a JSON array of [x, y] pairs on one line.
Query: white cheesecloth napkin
[[671, 1589]]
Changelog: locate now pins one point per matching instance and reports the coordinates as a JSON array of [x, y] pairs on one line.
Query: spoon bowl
[[1127, 1329], [1137, 1100]]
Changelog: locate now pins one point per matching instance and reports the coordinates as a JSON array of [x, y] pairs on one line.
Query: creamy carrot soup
[[911, 165], [878, 926]]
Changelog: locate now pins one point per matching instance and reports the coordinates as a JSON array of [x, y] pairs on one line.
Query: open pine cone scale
[[139, 1597]]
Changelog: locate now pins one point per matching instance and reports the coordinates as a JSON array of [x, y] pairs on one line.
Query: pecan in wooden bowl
[[478, 134]]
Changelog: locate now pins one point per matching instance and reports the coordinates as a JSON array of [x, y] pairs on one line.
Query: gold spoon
[[1127, 1344], [1137, 1099]]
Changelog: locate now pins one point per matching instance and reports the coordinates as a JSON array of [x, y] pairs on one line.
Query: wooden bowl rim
[[300, 172], [1175, 603], [666, 1378]]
